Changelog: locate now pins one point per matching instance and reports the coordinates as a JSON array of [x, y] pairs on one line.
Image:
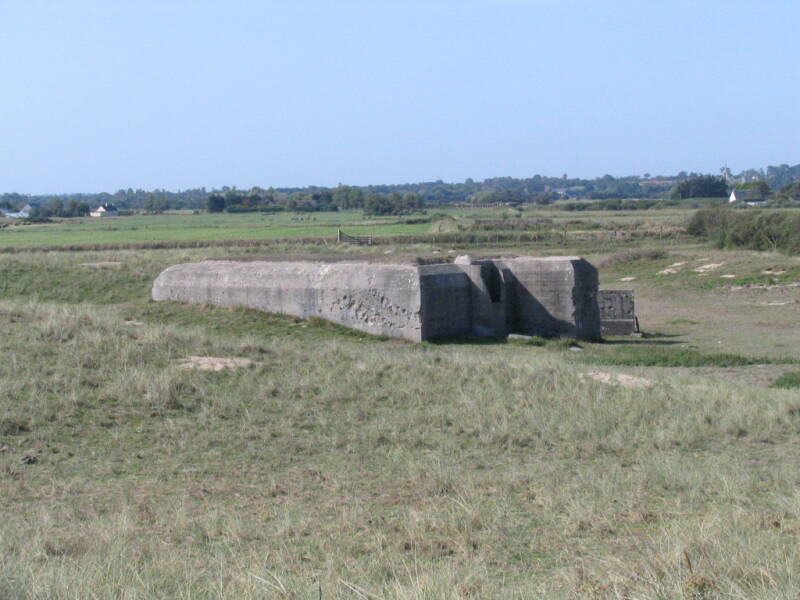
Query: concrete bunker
[[617, 312], [554, 296]]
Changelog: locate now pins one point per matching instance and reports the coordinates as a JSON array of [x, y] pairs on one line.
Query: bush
[[757, 230], [614, 204]]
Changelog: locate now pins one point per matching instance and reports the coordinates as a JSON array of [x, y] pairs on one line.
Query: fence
[[359, 240]]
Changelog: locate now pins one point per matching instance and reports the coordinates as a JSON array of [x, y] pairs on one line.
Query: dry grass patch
[[398, 470]]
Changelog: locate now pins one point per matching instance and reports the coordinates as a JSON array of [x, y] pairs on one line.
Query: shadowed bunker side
[[493, 297]]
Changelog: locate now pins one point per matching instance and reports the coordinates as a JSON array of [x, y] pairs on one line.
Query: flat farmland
[[204, 227], [201, 227]]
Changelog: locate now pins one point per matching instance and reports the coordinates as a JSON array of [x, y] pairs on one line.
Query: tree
[[758, 189], [156, 205], [71, 209], [376, 204], [412, 201], [55, 208], [790, 192], [700, 186], [216, 203]]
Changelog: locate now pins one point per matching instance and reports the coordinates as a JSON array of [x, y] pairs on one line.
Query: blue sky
[[102, 95]]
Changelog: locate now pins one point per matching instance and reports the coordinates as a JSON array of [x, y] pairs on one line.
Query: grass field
[[331, 464], [204, 227], [200, 227]]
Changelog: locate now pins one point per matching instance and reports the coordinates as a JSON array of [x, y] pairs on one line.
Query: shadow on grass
[[553, 343], [468, 341], [648, 339]]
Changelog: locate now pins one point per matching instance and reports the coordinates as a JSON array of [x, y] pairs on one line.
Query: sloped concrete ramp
[[376, 298]]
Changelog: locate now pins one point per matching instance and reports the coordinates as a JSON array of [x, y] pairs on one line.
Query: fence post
[[338, 236]]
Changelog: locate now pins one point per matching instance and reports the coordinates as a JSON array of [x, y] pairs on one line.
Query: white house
[[104, 210], [22, 213], [745, 196]]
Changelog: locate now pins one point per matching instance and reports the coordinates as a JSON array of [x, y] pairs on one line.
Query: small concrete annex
[[486, 298]]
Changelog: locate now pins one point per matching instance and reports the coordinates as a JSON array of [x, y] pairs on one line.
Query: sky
[[175, 94]]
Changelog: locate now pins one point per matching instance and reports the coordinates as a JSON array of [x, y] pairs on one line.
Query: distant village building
[[739, 196], [104, 210], [28, 209], [745, 196], [22, 213], [727, 176], [743, 177]]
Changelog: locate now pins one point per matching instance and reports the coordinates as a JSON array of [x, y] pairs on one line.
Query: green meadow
[[203, 227], [185, 226]]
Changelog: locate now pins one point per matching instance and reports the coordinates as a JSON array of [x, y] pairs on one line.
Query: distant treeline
[[151, 201], [342, 198], [388, 199], [754, 229]]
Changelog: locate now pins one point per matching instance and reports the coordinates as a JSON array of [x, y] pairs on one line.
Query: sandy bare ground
[[753, 321], [101, 264], [628, 381], [213, 363], [707, 267]]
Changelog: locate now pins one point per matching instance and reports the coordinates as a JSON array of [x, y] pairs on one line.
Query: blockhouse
[[554, 296]]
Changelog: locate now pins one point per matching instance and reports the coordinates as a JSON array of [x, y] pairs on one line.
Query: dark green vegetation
[[617, 204], [644, 355], [342, 198], [788, 381], [700, 187], [756, 230]]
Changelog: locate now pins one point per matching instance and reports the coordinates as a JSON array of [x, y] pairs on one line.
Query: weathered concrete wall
[[617, 312], [533, 296], [376, 298], [463, 299], [553, 296], [446, 302], [489, 291]]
